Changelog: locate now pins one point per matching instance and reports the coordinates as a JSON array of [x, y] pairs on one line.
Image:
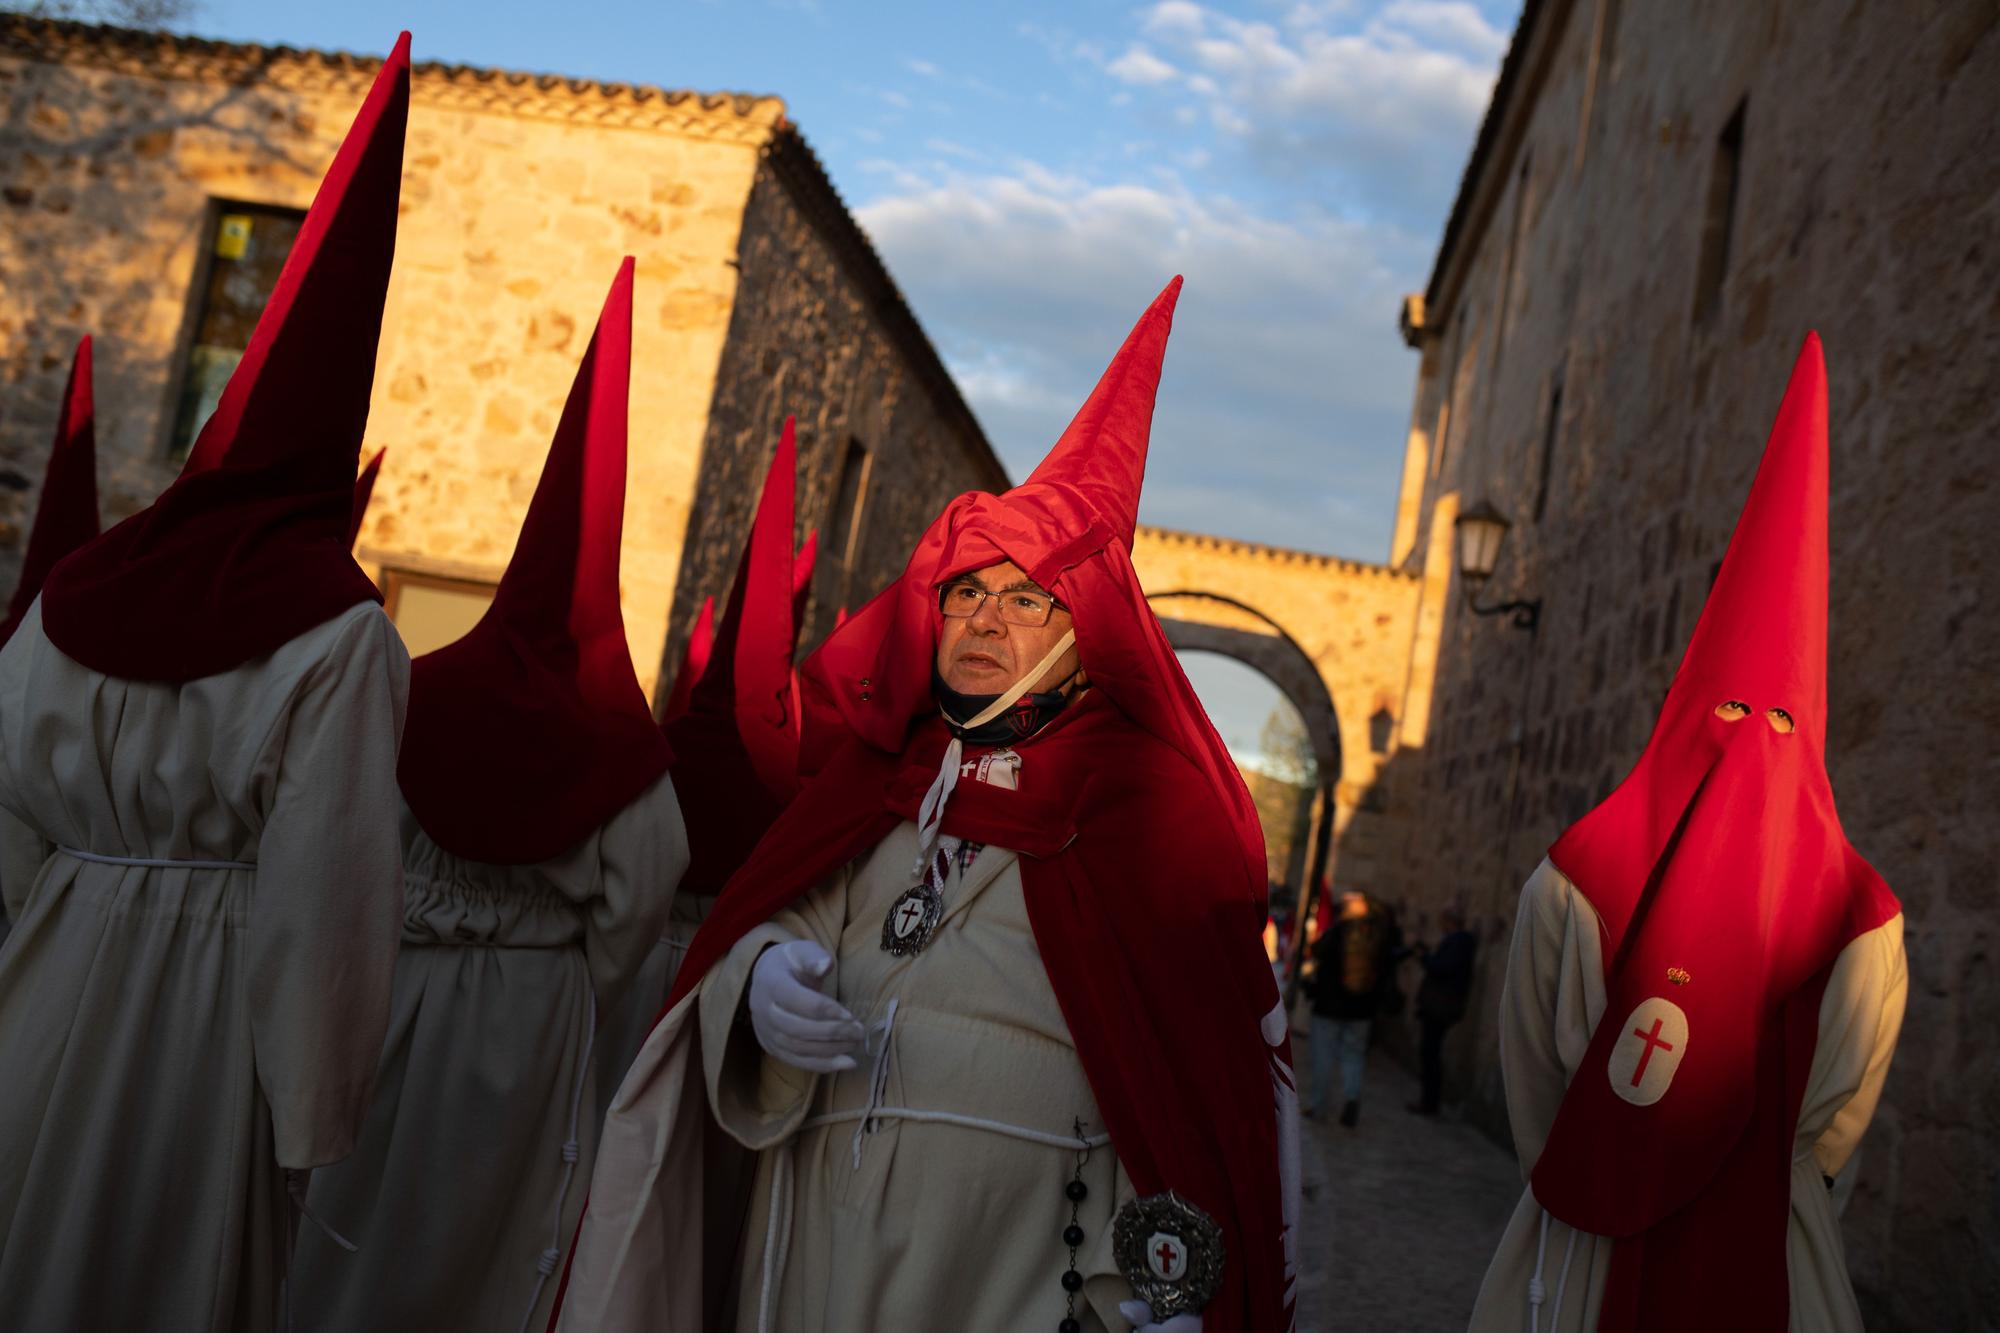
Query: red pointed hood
[[66, 514], [694, 662], [531, 731], [1070, 526], [737, 740], [1725, 886], [750, 675], [364, 490], [249, 547]]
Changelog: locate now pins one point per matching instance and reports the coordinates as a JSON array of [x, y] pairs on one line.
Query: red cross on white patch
[[1648, 1051], [1166, 1256]]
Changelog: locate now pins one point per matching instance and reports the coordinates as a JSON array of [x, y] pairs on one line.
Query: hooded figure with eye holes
[[1706, 981]]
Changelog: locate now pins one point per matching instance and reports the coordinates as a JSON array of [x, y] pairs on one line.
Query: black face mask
[[1028, 715]]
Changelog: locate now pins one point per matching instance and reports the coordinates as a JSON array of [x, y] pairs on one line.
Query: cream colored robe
[[1553, 998], [173, 1037], [916, 1224], [461, 1184], [940, 1225], [622, 1031]]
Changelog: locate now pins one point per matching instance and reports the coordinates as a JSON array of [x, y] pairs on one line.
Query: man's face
[[986, 652]]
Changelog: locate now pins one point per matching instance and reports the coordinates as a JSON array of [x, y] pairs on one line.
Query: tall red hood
[[531, 731], [1725, 886], [249, 548]]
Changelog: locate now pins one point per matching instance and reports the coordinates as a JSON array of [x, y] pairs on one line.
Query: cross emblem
[[907, 918], [1167, 1256], [1653, 1041]]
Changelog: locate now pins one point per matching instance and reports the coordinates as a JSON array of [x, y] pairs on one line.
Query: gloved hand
[[793, 1021], [1140, 1315]]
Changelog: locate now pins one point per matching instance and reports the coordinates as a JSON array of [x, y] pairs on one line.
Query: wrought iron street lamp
[[1481, 531]]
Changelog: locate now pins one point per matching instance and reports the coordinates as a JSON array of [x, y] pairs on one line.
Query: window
[[247, 245], [1718, 228], [848, 498], [1549, 430], [1503, 311], [431, 611]]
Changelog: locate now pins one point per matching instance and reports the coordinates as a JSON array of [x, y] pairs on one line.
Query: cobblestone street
[[1401, 1215]]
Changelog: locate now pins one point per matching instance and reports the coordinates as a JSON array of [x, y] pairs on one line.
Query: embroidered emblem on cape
[[1170, 1251], [1680, 976], [1642, 1062]]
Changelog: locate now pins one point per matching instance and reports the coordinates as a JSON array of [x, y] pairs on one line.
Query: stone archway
[[1269, 649]]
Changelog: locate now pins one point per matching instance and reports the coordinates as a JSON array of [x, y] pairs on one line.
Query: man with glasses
[[983, 1036]]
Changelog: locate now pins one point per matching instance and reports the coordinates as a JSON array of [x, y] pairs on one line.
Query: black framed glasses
[[1027, 607]]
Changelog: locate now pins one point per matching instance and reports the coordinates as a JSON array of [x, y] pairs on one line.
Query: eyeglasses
[[1017, 606]]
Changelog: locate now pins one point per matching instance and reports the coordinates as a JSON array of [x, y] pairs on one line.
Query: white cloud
[[1142, 67], [923, 67], [1282, 406], [1380, 99]]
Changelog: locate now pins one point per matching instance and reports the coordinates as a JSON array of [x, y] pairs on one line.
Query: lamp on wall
[[1481, 530]]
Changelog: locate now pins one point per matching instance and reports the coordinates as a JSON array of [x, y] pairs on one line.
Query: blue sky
[[1034, 172]]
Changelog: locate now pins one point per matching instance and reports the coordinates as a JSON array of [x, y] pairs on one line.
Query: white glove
[[793, 1021], [1140, 1316]]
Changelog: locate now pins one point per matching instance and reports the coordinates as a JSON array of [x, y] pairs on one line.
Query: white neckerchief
[[930, 815]]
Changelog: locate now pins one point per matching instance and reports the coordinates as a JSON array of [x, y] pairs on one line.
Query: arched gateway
[[1326, 632]]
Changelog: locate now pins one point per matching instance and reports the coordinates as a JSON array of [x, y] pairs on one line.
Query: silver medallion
[[1170, 1251], [912, 920]]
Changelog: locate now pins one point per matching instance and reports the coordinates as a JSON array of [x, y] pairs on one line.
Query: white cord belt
[[778, 1229], [155, 862]]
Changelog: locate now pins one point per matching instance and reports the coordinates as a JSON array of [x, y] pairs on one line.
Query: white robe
[[173, 1038], [461, 1192], [916, 1223], [1550, 1006]]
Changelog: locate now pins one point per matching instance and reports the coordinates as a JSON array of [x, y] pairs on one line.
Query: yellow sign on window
[[232, 236]]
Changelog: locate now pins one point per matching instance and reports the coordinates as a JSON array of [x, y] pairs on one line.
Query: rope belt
[[155, 862], [1537, 1293], [778, 1229]]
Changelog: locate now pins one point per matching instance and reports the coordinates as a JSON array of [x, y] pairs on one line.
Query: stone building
[[150, 186], [1662, 200]]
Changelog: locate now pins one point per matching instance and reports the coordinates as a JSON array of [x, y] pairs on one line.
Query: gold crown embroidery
[[1680, 976]]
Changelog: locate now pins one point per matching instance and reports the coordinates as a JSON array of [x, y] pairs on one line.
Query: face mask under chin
[[1028, 715]]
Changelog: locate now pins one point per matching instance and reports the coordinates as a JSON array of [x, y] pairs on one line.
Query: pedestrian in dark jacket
[[1441, 1002], [1351, 964]]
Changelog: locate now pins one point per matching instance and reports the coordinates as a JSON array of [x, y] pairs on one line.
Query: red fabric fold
[[249, 548], [66, 513], [531, 731], [1726, 889]]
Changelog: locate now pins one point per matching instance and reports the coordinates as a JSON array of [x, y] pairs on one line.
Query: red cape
[[1163, 982]]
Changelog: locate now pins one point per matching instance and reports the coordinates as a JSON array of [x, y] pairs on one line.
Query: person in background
[[1350, 971], [1441, 1001]]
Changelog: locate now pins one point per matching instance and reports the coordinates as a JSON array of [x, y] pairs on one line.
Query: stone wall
[[819, 333], [520, 195], [1868, 207]]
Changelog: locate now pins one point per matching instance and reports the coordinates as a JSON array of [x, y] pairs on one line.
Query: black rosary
[[1076, 1192]]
